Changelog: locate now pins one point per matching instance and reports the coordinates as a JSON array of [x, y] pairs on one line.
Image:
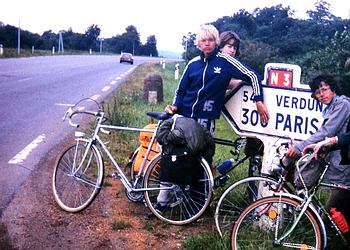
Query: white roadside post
[[294, 114], [53, 50], [177, 71], [1, 50]]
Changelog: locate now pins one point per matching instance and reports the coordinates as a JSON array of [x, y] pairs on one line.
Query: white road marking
[[113, 82], [118, 78], [21, 156], [64, 104], [95, 97], [106, 88], [24, 79]]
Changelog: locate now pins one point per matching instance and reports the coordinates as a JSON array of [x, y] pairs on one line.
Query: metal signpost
[[294, 114]]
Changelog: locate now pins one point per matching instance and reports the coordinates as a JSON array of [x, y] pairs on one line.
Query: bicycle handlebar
[[70, 113]]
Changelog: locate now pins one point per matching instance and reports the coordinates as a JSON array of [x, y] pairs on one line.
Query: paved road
[[35, 93]]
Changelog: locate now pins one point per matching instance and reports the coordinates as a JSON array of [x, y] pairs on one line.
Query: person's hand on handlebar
[[325, 143], [170, 109]]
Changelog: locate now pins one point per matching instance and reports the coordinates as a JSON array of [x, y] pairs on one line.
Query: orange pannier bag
[[145, 139]]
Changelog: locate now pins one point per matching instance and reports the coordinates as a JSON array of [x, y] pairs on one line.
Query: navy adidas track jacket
[[202, 87]]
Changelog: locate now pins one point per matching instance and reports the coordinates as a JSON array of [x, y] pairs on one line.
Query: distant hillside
[[169, 54]]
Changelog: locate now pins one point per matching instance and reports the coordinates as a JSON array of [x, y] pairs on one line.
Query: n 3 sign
[[280, 78], [293, 112]]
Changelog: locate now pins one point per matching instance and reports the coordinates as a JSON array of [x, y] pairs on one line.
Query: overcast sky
[[167, 20]]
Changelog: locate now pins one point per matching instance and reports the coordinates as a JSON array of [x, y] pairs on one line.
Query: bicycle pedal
[[115, 176], [220, 181], [176, 203]]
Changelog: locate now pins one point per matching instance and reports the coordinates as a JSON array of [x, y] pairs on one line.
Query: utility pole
[[60, 42], [19, 38], [101, 41]]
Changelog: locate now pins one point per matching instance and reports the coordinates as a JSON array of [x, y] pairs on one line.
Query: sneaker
[[159, 208]]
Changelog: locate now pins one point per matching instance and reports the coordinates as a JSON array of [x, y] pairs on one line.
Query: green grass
[[210, 241]]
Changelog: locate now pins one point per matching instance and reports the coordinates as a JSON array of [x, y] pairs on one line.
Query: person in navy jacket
[[201, 91]]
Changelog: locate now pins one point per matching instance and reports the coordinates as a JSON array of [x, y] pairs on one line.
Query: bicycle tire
[[187, 203], [74, 192], [256, 227], [237, 197]]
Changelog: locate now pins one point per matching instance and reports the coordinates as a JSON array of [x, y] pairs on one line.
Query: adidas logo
[[217, 70]]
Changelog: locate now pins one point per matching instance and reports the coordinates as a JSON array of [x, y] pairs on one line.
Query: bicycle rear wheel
[[186, 203], [75, 188], [237, 197], [266, 220]]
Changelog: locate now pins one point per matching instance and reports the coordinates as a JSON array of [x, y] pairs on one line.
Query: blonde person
[[201, 90], [202, 87]]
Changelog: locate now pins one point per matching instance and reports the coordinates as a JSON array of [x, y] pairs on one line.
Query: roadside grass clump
[[120, 224]]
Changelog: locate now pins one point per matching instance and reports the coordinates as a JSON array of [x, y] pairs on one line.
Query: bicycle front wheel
[[186, 203], [262, 224], [237, 197], [76, 179]]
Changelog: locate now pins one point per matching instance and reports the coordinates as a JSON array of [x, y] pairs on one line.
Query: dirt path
[[33, 220]]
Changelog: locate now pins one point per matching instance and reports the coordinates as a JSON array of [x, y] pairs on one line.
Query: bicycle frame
[[96, 140], [312, 202], [304, 204]]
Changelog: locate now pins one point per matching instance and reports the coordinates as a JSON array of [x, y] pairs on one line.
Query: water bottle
[[275, 166], [224, 167], [339, 219]]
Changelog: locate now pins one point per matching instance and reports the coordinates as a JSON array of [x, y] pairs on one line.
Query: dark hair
[[327, 78], [226, 37]]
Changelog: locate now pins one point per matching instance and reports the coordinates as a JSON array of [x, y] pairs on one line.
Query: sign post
[[294, 114]]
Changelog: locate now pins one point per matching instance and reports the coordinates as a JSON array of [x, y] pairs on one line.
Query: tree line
[[129, 41], [320, 42]]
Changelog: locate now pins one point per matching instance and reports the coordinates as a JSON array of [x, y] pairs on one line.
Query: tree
[[47, 40], [150, 48], [91, 35], [190, 48], [322, 13], [131, 40]]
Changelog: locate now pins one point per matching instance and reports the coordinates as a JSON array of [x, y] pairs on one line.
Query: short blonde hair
[[207, 31]]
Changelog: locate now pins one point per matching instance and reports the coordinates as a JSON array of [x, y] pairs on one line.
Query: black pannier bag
[[180, 166], [308, 171], [183, 141]]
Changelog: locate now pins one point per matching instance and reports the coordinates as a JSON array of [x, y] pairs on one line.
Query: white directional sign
[[293, 112]]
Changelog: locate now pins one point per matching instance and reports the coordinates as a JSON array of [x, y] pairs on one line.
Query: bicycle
[[246, 190], [79, 171], [286, 220]]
